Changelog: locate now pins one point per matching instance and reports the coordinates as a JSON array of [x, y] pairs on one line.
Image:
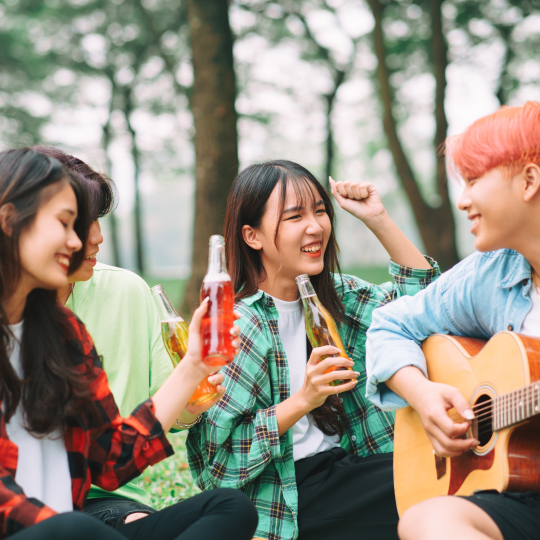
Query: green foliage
[[169, 481]]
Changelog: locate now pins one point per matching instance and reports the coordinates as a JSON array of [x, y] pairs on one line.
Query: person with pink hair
[[495, 289]]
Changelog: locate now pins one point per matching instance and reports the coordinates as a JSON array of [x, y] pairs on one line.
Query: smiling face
[[46, 247], [304, 231], [499, 209], [86, 270]]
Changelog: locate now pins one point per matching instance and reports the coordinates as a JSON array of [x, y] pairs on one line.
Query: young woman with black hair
[[60, 428], [119, 313], [315, 459]]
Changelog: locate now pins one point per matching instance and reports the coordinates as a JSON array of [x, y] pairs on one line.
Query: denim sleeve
[[399, 328]]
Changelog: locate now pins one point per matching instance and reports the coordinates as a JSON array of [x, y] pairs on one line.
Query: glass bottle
[[174, 332], [217, 347], [320, 326]]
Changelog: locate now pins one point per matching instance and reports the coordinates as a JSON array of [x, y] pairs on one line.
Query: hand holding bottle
[[317, 387], [171, 400], [193, 355]]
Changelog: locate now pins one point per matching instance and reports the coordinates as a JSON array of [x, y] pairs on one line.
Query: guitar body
[[508, 459]]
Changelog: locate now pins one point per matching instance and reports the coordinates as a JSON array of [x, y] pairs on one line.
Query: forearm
[[173, 396], [407, 383], [400, 249], [288, 412]]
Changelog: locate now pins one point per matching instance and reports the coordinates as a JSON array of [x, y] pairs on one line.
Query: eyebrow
[[298, 208], [69, 211]]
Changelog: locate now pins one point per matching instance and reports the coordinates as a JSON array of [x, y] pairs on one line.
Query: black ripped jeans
[[224, 514]]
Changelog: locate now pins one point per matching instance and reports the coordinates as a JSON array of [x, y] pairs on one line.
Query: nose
[[74, 243], [314, 227], [464, 202], [94, 236]]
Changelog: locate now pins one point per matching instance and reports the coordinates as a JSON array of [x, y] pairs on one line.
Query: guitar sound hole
[[484, 419]]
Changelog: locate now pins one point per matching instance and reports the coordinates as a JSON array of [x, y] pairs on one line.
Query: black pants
[[516, 514], [113, 511], [345, 496], [223, 514]]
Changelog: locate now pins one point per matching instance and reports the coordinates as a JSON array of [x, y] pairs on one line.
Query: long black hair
[[246, 205], [51, 389]]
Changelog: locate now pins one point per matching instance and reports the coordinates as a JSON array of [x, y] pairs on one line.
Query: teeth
[[63, 260], [312, 249]]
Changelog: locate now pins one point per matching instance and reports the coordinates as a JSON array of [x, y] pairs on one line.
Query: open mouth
[[475, 220], [63, 261], [312, 250], [91, 260]]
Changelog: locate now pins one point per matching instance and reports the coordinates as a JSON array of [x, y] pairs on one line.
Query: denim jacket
[[482, 295]]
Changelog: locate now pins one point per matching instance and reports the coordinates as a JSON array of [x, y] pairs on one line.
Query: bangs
[[508, 138]]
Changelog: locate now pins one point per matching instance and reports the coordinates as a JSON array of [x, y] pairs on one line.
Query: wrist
[[192, 369], [300, 403], [380, 222]]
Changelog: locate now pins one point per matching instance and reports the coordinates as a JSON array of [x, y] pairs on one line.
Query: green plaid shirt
[[237, 444]]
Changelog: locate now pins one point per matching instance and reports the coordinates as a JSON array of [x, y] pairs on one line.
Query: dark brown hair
[[101, 190], [246, 205], [52, 389]]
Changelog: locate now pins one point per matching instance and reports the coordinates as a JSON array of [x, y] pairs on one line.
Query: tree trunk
[[136, 156], [105, 142], [436, 225], [329, 146], [216, 149], [443, 229]]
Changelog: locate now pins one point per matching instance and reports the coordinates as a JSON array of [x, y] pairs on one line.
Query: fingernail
[[468, 414]]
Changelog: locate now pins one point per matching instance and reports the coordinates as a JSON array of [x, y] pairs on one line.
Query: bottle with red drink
[[217, 347]]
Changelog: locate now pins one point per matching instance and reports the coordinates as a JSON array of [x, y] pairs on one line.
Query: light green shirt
[[118, 310]]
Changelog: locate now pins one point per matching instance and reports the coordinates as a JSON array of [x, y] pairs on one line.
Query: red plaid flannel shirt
[[108, 455]]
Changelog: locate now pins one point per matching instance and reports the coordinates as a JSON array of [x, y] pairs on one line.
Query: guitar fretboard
[[516, 406]]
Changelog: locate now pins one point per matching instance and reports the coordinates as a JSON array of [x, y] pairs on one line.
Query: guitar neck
[[516, 406]]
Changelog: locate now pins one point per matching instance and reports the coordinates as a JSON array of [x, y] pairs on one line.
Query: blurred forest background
[[171, 97]]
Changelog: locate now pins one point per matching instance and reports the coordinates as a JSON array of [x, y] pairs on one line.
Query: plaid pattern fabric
[[237, 444], [108, 455]]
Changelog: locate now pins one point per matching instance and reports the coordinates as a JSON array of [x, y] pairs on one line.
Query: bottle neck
[[305, 287], [164, 306], [216, 259]]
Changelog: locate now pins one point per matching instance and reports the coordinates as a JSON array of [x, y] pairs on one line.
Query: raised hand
[[361, 199]]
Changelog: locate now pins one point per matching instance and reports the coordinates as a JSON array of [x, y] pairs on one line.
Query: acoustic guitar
[[501, 380]]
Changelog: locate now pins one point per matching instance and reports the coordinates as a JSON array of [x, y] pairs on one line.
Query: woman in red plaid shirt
[[60, 429]]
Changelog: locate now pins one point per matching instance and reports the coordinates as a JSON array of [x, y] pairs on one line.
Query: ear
[[250, 237], [7, 211], [531, 176]]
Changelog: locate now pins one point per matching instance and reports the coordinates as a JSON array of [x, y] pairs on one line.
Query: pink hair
[[508, 138]]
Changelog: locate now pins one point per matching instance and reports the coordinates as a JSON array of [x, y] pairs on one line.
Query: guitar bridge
[[440, 466]]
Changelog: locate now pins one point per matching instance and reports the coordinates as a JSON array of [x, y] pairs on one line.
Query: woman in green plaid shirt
[[315, 459]]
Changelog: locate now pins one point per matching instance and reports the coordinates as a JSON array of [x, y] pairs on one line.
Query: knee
[[408, 523], [67, 526], [238, 504]]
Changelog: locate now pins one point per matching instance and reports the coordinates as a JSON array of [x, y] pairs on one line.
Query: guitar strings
[[487, 411]]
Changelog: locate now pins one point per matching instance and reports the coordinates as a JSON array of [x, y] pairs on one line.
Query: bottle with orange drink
[[174, 332], [321, 328]]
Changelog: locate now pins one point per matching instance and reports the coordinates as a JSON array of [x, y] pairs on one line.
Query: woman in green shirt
[[117, 309], [314, 459]]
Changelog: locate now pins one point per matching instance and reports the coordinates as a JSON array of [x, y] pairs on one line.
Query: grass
[[170, 480]]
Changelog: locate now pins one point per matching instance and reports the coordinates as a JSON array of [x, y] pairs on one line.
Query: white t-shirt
[[42, 467], [308, 439], [531, 323]]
